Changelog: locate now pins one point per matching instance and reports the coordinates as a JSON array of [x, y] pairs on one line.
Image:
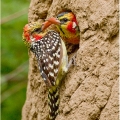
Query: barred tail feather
[[53, 102]]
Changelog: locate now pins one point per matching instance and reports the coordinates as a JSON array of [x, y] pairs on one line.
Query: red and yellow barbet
[[67, 25], [52, 58]]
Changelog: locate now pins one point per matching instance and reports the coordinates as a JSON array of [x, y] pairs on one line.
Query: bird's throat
[[72, 39]]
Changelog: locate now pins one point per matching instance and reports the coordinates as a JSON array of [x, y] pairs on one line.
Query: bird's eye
[[38, 30], [65, 19]]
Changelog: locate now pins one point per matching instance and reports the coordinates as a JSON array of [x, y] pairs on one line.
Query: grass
[[13, 49], [11, 6], [13, 54]]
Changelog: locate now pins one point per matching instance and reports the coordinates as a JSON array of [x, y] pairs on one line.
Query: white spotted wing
[[47, 50]]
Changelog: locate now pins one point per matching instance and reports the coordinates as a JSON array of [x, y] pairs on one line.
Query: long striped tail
[[53, 102]]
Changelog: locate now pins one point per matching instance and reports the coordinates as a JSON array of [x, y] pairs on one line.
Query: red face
[[37, 36], [72, 24], [26, 33], [64, 20]]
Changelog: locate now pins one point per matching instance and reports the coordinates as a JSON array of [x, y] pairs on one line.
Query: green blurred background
[[14, 58]]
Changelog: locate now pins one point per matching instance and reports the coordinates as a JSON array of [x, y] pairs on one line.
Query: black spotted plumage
[[52, 58], [47, 51]]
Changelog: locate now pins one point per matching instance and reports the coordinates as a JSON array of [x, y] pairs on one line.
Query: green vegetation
[[14, 58]]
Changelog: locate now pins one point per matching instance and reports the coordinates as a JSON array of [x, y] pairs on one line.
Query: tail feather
[[53, 102]]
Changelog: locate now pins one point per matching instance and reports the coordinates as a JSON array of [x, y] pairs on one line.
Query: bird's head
[[32, 32], [67, 25]]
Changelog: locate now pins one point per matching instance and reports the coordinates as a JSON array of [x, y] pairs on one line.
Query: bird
[[50, 51], [67, 25]]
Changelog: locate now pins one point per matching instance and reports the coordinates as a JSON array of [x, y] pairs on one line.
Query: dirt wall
[[90, 89]]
